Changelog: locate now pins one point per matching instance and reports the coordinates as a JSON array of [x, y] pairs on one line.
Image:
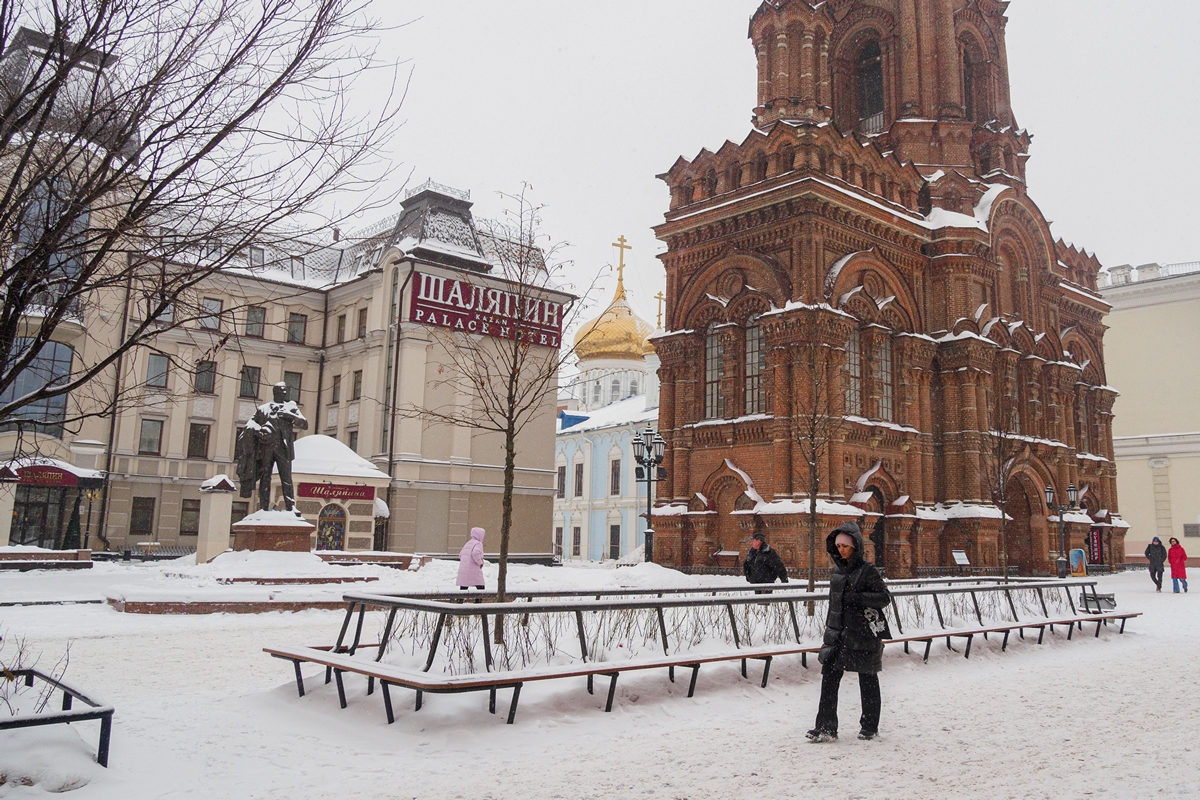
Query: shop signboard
[[1096, 546], [336, 491], [461, 305]]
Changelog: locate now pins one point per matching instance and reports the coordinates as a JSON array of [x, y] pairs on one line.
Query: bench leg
[[671, 674], [492, 700], [591, 689], [1070, 630], [766, 671], [105, 736], [387, 702], [695, 674], [1122, 625], [420, 695], [1004, 644], [804, 660], [66, 703], [1098, 622], [612, 691], [970, 638], [744, 675], [512, 709], [1021, 632], [370, 685], [928, 644], [337, 674], [906, 648], [328, 674], [299, 678]]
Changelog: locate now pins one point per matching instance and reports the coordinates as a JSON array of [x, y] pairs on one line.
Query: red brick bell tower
[[868, 261]]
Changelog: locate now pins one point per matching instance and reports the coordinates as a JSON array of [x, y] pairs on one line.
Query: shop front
[[339, 492], [52, 506]]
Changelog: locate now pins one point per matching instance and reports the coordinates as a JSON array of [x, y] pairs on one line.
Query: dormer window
[[869, 70]]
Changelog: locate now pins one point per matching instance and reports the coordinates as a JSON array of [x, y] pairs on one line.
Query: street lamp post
[[1072, 496], [648, 449]]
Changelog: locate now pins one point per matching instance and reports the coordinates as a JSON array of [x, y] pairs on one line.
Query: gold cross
[[660, 297], [621, 243]]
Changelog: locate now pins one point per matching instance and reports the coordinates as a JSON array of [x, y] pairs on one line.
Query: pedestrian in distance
[[763, 564], [470, 561], [1177, 557], [855, 629], [1156, 555]]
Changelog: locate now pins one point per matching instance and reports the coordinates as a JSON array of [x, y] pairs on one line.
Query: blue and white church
[[600, 507]]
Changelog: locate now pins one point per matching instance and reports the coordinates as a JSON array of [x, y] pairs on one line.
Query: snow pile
[[274, 519], [324, 455], [49, 759]]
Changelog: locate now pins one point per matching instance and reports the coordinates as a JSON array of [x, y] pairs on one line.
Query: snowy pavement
[[202, 712]]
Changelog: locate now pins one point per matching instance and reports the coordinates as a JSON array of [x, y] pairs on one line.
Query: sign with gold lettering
[[336, 491], [463, 306]]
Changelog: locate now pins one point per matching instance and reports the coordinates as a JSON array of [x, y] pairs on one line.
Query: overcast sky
[[587, 102]]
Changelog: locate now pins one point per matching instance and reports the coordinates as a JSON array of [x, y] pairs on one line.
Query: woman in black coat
[[855, 628], [1156, 556]]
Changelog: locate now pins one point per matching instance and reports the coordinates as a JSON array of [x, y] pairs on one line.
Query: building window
[[854, 375], [614, 477], [141, 519], [336, 391], [356, 386], [257, 257], [884, 379], [596, 390], [756, 400], [969, 85], [576, 540], [614, 541], [189, 518], [198, 440], [870, 88], [210, 318], [256, 322], [1084, 445], [561, 483], [156, 371], [206, 377], [633, 387], [614, 390], [558, 542], [297, 327], [714, 371], [240, 510], [296, 264], [292, 379], [249, 382], [579, 479], [50, 367], [150, 439], [341, 329], [362, 323], [353, 437]]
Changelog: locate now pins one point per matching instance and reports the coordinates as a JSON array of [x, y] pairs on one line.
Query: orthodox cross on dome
[[660, 297], [621, 245]]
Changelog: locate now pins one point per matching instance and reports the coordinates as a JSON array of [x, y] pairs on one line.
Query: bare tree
[[146, 146], [818, 404], [1002, 445], [511, 380]]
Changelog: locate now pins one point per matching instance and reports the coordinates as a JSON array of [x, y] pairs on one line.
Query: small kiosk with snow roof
[[338, 491]]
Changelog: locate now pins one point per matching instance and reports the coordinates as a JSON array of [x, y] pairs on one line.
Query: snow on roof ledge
[[324, 455]]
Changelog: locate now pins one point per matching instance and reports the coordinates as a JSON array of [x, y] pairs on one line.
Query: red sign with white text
[[463, 306], [336, 491], [47, 476]]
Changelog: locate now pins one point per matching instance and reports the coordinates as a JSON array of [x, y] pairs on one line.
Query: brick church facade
[[867, 267]]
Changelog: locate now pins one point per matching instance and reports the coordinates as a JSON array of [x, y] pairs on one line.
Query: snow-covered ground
[[202, 712]]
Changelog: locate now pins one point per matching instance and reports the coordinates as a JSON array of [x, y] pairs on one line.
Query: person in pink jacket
[[1177, 557], [470, 561]]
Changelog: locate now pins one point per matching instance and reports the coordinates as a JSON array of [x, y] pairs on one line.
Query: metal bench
[[67, 714]]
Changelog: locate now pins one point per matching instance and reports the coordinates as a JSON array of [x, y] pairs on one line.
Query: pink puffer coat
[[470, 560]]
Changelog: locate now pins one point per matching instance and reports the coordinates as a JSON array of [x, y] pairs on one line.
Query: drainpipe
[[112, 424], [321, 365], [391, 411]]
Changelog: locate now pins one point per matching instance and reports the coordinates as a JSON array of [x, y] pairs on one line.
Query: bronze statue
[[268, 443]]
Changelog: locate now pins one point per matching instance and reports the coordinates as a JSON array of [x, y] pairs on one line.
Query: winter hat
[[1156, 540], [845, 538], [759, 536]]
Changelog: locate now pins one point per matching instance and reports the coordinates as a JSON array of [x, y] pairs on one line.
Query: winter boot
[[867, 735], [818, 736]]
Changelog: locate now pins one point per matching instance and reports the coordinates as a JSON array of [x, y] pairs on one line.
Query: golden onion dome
[[617, 333]]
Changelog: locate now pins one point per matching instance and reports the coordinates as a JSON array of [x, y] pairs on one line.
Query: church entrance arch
[[729, 532], [877, 535], [331, 528], [1020, 505]]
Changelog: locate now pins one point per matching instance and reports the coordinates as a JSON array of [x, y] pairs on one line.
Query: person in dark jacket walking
[[1156, 554], [763, 564], [855, 627]]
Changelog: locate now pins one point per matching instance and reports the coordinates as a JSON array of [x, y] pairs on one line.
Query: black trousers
[[868, 689], [1156, 575]]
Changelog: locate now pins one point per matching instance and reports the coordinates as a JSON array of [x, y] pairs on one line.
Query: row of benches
[[390, 676]]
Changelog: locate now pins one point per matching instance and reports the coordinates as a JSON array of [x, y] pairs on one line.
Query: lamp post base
[[1062, 567]]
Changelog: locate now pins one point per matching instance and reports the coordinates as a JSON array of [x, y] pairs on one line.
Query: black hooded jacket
[[1156, 554], [854, 586], [764, 565]]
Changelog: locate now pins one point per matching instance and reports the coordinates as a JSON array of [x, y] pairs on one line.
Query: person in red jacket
[[1177, 557]]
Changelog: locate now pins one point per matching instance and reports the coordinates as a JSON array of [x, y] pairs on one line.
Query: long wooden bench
[[337, 663]]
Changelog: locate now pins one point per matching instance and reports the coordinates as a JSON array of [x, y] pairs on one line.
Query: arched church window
[[714, 371], [869, 70], [885, 379], [755, 366], [760, 167], [633, 387], [596, 390], [614, 390], [854, 375], [1083, 443], [968, 85]]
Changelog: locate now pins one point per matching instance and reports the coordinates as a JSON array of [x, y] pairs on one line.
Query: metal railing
[[67, 714]]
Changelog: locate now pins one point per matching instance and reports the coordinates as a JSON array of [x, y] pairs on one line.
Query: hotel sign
[[463, 306], [41, 475], [336, 491]]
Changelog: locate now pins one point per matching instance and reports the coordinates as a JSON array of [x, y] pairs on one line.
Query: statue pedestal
[[280, 531]]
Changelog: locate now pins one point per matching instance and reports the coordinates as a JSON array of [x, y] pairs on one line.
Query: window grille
[[614, 541], [755, 395], [579, 479], [614, 477], [854, 375], [576, 541], [884, 379], [714, 371], [561, 484]]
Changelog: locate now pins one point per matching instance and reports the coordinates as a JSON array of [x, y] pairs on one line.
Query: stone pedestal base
[[277, 531]]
